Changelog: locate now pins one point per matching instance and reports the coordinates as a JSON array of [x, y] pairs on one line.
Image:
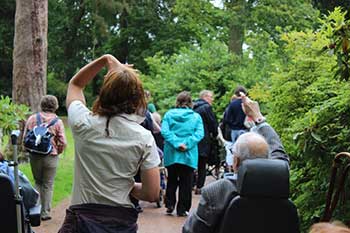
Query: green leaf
[[316, 136]]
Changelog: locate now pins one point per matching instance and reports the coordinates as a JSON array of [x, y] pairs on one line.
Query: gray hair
[[205, 93], [251, 146]]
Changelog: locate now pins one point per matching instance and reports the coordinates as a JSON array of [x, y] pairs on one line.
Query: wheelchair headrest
[[263, 178]]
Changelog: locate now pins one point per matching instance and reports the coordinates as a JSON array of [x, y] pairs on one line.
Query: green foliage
[[337, 29], [57, 88], [309, 108], [201, 20], [326, 6], [11, 114], [193, 69], [276, 16]]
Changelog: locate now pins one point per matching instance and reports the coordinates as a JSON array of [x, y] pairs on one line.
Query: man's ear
[[236, 163]]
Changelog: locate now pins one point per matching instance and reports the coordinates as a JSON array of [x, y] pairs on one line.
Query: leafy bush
[[209, 66], [311, 109], [11, 114]]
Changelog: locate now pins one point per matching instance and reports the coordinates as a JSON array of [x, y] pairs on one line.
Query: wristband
[[260, 120]]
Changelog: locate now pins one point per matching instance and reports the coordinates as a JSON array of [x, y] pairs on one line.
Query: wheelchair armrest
[[34, 215]]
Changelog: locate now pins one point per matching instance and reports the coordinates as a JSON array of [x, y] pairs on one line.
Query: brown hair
[[121, 92], [184, 99], [49, 103], [240, 89], [329, 228]]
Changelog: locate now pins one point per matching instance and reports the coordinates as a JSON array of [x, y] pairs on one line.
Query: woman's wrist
[[259, 120]]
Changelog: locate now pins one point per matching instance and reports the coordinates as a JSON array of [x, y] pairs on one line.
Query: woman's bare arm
[[149, 189], [86, 74]]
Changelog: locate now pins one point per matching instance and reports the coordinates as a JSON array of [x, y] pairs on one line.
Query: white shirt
[[105, 166]]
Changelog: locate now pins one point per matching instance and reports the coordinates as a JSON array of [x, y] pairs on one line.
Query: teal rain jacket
[[182, 126]]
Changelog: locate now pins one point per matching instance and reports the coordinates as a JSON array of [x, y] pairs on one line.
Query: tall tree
[[237, 9], [7, 12], [30, 52]]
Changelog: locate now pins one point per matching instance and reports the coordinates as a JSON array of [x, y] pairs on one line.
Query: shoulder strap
[[38, 119], [52, 122]]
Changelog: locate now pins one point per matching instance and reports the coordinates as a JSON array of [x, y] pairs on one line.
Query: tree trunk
[[124, 49], [236, 36], [237, 9], [30, 52]]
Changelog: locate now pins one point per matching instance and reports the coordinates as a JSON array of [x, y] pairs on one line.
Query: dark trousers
[[181, 176], [202, 171], [96, 218]]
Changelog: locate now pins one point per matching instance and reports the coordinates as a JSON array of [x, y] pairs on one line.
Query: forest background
[[291, 55]]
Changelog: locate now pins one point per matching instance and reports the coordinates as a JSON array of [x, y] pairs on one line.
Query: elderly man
[[261, 142], [203, 107]]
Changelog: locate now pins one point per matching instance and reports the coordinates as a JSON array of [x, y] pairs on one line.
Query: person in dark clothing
[[147, 124], [203, 107], [234, 116]]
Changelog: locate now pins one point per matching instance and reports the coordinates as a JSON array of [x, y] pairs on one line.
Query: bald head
[[250, 146]]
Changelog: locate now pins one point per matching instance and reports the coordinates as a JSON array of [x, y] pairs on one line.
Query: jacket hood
[[181, 114], [199, 103]]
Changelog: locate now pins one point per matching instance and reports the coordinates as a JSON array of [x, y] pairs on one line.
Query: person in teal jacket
[[182, 129]]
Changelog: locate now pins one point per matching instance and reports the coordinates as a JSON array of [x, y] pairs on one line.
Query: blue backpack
[[38, 140]]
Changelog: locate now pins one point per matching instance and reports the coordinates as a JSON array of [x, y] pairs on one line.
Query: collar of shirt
[[133, 117]]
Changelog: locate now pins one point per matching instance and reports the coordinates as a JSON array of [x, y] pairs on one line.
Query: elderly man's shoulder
[[220, 188]]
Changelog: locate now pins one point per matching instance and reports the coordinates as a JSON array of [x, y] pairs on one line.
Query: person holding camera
[[110, 147]]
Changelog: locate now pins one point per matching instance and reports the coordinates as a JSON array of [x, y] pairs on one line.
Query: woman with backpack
[[44, 164], [110, 147]]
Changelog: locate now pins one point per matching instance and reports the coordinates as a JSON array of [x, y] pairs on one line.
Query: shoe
[[182, 214], [46, 218], [197, 191], [139, 209], [169, 210]]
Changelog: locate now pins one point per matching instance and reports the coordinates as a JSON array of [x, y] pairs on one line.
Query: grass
[[64, 176]]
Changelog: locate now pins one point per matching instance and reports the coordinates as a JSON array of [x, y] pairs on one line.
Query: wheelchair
[[14, 217], [262, 204], [13, 208]]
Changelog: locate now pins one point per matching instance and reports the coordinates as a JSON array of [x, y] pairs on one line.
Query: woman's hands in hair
[[113, 64]]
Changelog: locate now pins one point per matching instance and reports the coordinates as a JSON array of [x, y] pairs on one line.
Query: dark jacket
[[210, 124], [216, 196], [148, 122], [234, 115]]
